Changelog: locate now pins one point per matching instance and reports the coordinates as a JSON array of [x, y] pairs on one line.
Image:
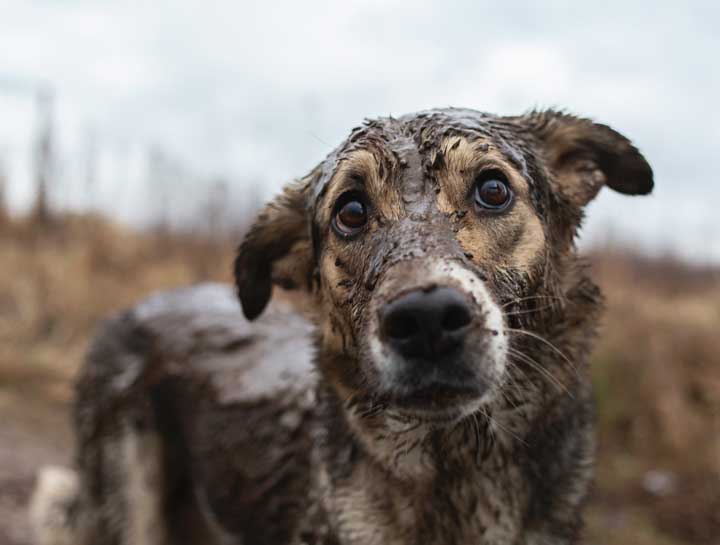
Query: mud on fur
[[434, 391]]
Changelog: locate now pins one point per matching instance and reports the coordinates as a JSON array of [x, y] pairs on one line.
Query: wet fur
[[325, 457]]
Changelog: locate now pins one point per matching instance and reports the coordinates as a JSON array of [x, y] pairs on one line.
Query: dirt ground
[[34, 433], [656, 369]]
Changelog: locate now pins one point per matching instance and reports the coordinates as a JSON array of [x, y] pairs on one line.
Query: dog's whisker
[[506, 395], [478, 439], [509, 381], [411, 428], [538, 367], [372, 410], [502, 428], [528, 311], [396, 417], [543, 373], [488, 420], [530, 298], [547, 343]]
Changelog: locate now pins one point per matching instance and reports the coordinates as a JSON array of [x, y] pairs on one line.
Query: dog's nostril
[[456, 317], [426, 323], [401, 325]]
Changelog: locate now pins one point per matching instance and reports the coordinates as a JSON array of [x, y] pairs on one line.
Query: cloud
[[261, 91]]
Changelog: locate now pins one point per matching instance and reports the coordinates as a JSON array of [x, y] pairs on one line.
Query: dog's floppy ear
[[583, 156], [276, 249]]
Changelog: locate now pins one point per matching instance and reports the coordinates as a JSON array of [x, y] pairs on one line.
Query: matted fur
[[196, 426]]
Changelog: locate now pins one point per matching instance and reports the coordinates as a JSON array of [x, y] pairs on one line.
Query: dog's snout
[[426, 324]]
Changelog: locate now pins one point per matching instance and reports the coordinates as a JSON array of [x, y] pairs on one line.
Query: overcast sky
[[260, 92]]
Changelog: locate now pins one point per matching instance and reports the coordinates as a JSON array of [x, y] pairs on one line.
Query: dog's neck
[[415, 449], [419, 474]]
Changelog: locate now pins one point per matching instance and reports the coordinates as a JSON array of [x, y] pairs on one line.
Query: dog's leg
[[118, 495], [53, 501], [143, 486], [130, 511]]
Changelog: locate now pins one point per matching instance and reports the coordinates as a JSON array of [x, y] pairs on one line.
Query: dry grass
[[657, 376], [58, 282], [657, 367]]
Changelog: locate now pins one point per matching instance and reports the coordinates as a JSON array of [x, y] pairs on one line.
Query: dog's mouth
[[441, 411], [438, 396]]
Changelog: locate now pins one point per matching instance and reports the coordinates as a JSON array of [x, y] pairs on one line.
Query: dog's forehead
[[412, 138]]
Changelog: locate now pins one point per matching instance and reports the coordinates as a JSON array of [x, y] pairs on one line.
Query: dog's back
[[188, 420]]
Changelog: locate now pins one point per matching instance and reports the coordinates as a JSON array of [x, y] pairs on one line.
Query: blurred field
[[657, 367]]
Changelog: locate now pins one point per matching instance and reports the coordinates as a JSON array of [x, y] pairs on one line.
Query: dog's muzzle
[[426, 324], [438, 335]]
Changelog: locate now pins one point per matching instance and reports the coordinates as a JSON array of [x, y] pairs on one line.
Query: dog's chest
[[472, 509]]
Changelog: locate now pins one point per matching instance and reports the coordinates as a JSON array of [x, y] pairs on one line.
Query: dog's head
[[424, 240]]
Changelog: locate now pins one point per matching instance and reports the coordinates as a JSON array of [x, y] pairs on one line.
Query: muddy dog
[[438, 393]]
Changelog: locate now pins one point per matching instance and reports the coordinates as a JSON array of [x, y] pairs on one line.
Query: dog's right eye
[[492, 192], [350, 215]]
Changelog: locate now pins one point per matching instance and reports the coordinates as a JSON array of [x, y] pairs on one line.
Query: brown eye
[[350, 216], [492, 193]]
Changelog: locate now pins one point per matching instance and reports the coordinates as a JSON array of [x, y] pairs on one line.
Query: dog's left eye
[[492, 192], [350, 215]]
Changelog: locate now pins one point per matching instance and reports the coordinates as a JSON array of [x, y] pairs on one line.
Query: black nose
[[426, 324]]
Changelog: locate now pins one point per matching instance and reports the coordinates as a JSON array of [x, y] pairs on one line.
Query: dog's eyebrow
[[330, 175], [355, 175], [515, 157]]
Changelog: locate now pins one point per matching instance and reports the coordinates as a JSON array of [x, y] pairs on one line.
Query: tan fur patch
[[333, 320], [530, 248], [515, 239], [463, 160], [374, 173]]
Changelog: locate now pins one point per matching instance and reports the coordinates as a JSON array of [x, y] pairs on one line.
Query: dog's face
[[423, 241]]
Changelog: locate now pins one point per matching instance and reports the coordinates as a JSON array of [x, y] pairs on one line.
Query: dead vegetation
[[657, 376], [656, 368]]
